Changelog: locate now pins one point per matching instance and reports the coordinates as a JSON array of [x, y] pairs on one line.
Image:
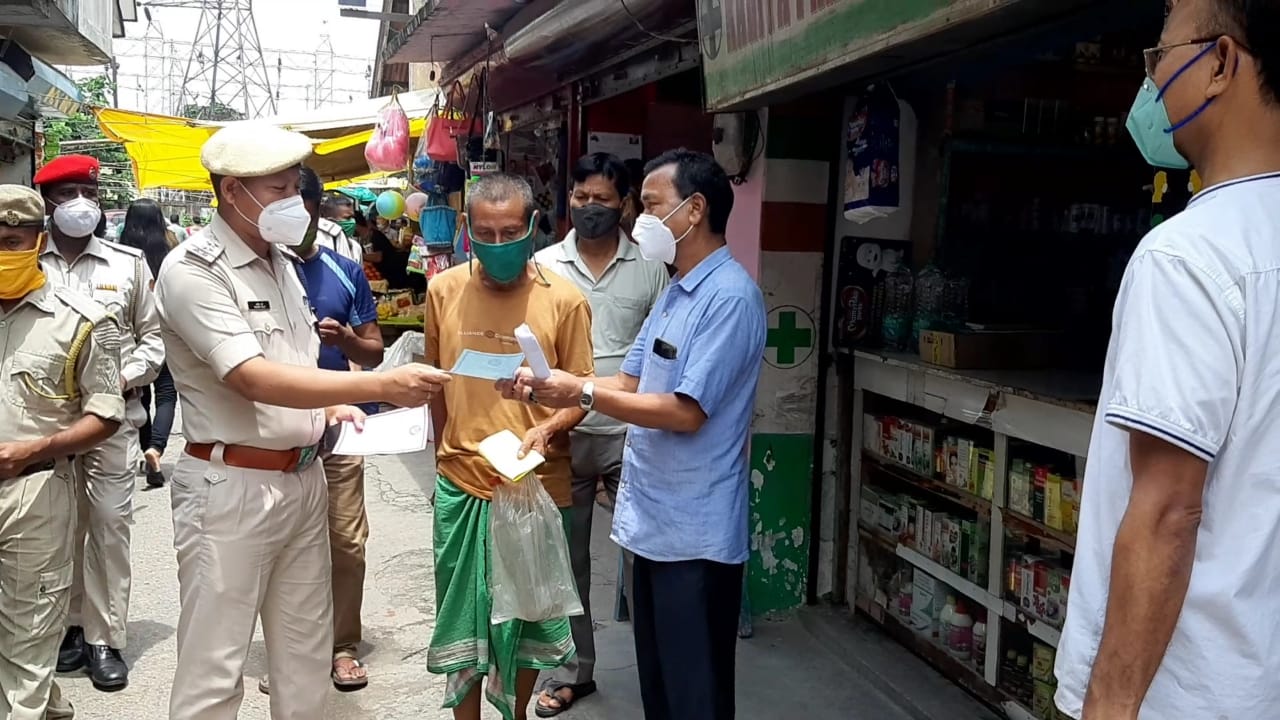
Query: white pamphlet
[[533, 352], [501, 450], [397, 432]]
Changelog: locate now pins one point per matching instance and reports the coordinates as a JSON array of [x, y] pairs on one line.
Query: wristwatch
[[587, 400]]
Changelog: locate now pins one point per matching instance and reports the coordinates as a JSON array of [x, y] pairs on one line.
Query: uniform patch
[[259, 305], [108, 288]]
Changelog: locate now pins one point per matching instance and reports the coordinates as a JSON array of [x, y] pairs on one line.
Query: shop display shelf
[[1039, 629], [1055, 539], [1065, 388], [940, 489], [401, 322], [957, 670], [878, 539], [959, 584]]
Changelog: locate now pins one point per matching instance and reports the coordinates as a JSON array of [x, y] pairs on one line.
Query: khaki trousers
[[348, 533], [250, 543], [105, 479], [36, 527]]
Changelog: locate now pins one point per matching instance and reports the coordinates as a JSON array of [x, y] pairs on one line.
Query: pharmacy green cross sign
[[790, 337]]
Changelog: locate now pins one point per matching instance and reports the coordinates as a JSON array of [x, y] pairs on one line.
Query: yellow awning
[[166, 150]]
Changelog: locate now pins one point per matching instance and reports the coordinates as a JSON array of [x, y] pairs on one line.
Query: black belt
[[39, 467]]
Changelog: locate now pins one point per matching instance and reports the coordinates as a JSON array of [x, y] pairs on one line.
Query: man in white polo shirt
[[1174, 597], [621, 288]]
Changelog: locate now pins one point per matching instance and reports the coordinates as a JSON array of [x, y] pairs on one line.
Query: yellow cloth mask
[[20, 273]]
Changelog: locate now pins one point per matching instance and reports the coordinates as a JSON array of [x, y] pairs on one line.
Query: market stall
[[971, 346]]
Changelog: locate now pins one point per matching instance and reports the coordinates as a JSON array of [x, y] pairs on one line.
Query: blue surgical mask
[[1149, 122]]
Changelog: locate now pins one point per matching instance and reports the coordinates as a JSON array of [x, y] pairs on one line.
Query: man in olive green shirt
[[621, 288]]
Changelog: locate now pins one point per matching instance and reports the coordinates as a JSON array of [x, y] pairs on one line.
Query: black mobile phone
[[664, 349]]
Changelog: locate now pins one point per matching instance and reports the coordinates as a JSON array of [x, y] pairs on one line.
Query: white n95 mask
[[655, 239], [283, 222], [77, 218]]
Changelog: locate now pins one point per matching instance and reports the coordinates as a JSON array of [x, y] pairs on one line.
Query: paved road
[[784, 672]]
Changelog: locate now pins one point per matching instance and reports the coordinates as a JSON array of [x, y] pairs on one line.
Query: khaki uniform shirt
[[45, 382], [620, 301], [221, 305], [117, 277]]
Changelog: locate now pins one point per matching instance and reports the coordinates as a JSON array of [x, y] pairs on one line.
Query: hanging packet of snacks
[[417, 256], [438, 263], [388, 147], [873, 147]]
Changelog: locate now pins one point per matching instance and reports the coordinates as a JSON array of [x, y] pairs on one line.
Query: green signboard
[[751, 47]]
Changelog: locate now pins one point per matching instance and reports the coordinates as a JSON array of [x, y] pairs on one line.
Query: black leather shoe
[[106, 668], [71, 656]]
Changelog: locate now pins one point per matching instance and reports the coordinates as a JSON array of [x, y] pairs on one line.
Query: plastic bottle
[[945, 619], [961, 642]]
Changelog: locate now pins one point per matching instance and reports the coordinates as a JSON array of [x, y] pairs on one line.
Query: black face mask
[[595, 221]]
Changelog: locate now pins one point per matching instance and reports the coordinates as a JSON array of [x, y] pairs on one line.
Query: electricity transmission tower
[[323, 72], [155, 86], [226, 69]]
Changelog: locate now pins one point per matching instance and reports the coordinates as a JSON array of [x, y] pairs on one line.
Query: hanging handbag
[[444, 129]]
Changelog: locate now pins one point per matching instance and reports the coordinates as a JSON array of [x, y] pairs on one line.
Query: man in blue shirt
[[350, 339], [688, 389]]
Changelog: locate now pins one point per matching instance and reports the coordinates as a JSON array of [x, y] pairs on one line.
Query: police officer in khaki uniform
[[60, 385], [249, 502], [118, 278]]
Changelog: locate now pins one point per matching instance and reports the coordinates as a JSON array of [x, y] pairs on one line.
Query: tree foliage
[[118, 187], [216, 112]]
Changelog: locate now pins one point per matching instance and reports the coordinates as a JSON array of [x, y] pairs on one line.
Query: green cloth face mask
[[503, 261], [348, 227], [308, 242]]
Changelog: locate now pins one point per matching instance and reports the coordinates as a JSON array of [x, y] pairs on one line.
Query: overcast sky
[[151, 84]]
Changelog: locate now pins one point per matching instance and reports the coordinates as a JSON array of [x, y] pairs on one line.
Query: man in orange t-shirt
[[477, 307]]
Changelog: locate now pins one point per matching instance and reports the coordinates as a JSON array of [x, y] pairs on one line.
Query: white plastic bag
[[407, 349], [530, 577]]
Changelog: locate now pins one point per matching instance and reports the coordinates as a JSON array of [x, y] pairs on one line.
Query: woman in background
[[145, 229]]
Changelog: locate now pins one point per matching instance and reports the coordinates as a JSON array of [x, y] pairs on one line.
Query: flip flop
[[552, 687], [348, 684]]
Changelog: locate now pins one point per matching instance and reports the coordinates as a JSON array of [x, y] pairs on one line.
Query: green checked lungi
[[464, 645]]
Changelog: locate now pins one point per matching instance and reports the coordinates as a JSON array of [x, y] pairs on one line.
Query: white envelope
[[501, 449]]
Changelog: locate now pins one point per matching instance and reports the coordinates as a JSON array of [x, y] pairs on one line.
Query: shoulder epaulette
[[89, 308], [122, 248], [203, 246]]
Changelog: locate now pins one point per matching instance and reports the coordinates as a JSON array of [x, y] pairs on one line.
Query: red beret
[[69, 168]]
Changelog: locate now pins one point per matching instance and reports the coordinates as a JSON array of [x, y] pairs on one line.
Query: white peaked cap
[[249, 149]]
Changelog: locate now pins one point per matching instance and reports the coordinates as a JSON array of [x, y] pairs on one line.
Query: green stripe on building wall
[[852, 30]]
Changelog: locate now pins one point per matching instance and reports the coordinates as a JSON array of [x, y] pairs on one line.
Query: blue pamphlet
[[487, 366]]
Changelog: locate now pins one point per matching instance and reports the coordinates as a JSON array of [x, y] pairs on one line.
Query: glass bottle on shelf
[[955, 303], [896, 327], [930, 287]]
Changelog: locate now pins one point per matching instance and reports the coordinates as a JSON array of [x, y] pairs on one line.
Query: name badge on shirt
[[664, 349], [259, 305]]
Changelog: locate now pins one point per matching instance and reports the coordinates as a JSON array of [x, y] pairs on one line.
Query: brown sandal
[[348, 684]]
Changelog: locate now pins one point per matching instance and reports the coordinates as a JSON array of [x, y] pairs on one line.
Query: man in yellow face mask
[[60, 392]]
